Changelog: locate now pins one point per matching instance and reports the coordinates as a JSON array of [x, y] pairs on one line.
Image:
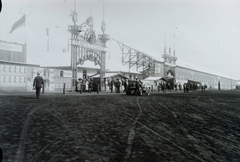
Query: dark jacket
[[38, 82]]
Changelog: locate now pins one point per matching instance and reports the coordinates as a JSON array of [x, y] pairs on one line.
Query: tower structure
[[103, 38], [169, 62], [74, 30]]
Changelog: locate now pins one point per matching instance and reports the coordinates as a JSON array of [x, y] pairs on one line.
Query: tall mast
[[103, 23], [75, 6], [103, 10], [165, 48], [174, 45]]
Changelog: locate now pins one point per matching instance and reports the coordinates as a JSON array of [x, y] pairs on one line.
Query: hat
[[38, 73]]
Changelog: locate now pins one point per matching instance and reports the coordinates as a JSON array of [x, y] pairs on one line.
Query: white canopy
[[153, 78], [109, 75]]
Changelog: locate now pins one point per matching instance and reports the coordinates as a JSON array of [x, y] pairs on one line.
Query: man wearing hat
[[37, 83]]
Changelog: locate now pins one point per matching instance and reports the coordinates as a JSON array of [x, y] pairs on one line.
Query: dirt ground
[[198, 126]]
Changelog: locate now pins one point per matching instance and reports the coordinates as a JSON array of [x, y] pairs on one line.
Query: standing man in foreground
[[37, 83]]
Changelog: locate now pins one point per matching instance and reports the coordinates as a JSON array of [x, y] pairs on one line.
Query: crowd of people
[[84, 85], [163, 86], [116, 83]]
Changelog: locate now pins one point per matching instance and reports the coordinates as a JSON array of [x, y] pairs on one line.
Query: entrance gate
[[87, 46]]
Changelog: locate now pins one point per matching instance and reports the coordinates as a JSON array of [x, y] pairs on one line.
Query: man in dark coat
[[125, 85], [118, 84], [184, 87], [90, 85], [137, 85], [111, 84], [37, 83]]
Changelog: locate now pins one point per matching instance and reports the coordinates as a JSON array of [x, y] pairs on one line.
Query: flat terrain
[[198, 126]]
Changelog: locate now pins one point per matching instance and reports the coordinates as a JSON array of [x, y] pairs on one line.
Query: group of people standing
[[84, 85], [163, 86], [117, 83]]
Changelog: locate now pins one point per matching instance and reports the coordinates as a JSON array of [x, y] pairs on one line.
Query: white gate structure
[[87, 46]]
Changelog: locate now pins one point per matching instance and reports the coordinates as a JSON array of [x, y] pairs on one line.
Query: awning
[[156, 79], [153, 78], [193, 81], [164, 79], [110, 75]]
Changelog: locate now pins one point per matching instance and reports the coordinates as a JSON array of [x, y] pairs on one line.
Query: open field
[[198, 126]]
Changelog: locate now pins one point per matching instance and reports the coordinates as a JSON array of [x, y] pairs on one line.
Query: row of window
[[62, 80], [14, 79], [197, 77], [61, 86], [14, 69], [13, 56]]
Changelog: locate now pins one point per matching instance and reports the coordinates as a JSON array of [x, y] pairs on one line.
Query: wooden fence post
[[64, 85], [97, 88]]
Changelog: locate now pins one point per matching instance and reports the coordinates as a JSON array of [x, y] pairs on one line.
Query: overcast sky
[[207, 32]]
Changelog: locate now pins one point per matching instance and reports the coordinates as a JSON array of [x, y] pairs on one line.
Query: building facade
[[17, 75], [13, 52]]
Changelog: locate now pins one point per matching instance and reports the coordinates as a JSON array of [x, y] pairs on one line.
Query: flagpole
[[165, 38], [25, 30], [47, 30], [48, 44], [68, 42], [174, 45], [165, 48]]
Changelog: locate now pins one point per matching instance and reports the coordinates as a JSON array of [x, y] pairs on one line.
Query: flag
[[17, 24]]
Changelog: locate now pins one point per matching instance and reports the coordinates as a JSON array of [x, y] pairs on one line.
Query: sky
[[207, 32]]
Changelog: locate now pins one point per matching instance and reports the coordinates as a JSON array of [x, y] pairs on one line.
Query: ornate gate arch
[[87, 47]]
